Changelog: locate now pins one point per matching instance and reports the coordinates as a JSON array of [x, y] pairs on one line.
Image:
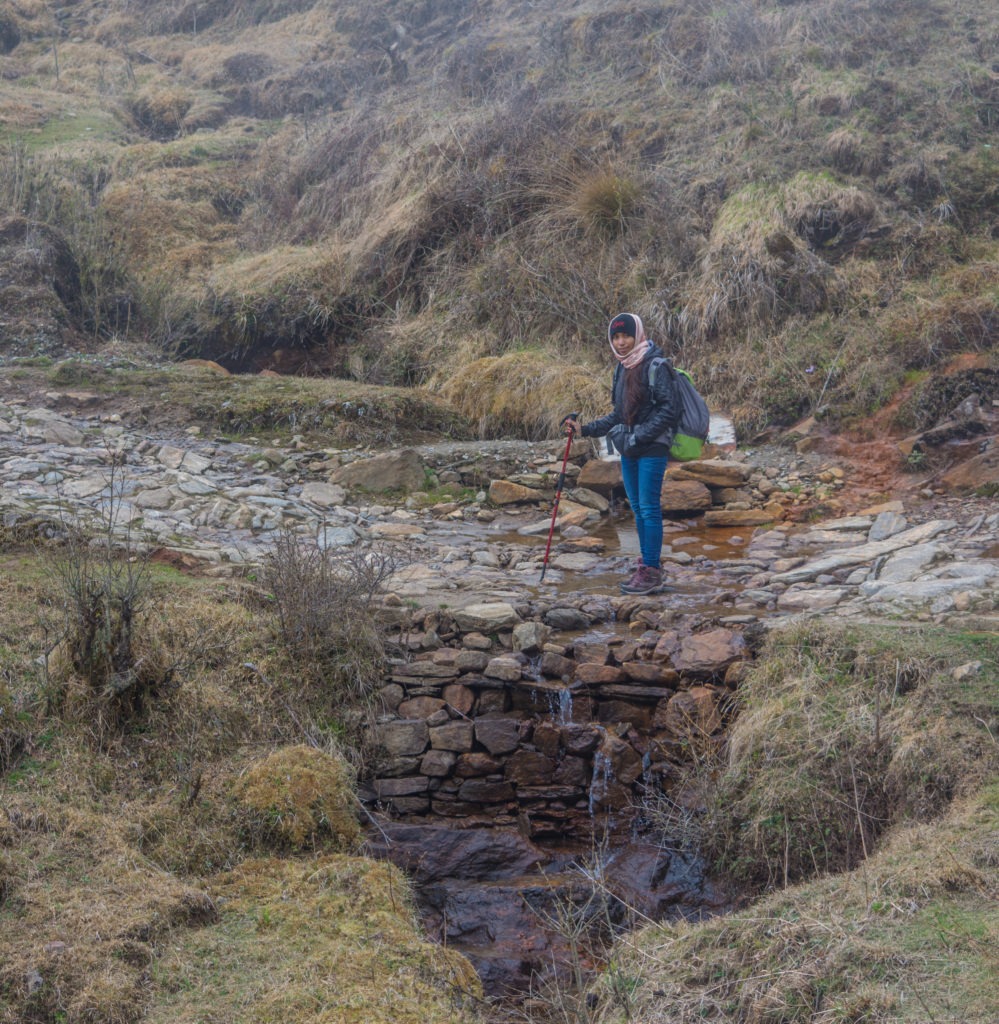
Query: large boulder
[[685, 496], [600, 476], [392, 471], [431, 852], [507, 492], [981, 471], [712, 472]]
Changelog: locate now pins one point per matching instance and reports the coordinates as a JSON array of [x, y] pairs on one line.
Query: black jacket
[[654, 428]]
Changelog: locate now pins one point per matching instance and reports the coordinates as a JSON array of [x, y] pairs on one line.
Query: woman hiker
[[641, 426]]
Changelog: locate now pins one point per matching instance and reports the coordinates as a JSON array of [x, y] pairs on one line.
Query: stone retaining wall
[[515, 726]]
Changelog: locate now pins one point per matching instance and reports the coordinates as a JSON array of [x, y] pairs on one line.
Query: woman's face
[[623, 343]]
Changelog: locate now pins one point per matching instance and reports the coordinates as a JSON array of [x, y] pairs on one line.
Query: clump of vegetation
[[111, 892], [845, 733], [861, 946], [318, 942], [771, 251], [525, 394], [323, 599], [11, 730], [604, 200], [104, 586], [299, 798], [859, 781]]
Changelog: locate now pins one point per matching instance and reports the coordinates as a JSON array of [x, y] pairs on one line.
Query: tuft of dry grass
[[602, 200], [525, 394], [841, 737], [299, 798]]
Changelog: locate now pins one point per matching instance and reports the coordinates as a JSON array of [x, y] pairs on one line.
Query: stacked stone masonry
[[515, 727]]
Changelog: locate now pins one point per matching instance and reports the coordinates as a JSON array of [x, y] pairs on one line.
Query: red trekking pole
[[558, 495]]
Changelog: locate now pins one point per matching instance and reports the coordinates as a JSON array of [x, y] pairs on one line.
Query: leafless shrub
[[323, 598], [103, 581]]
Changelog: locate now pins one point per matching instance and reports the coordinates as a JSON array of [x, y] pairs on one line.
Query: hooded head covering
[[629, 323]]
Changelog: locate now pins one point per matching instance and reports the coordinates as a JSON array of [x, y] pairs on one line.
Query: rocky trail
[[526, 726], [739, 521]]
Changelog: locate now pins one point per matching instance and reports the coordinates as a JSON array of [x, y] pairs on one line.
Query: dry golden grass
[[842, 737], [864, 946], [959, 315], [111, 840], [768, 254], [438, 217], [326, 941], [160, 213], [525, 394], [300, 798], [88, 912]]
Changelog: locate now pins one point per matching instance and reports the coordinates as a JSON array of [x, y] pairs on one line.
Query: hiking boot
[[633, 580], [645, 581]]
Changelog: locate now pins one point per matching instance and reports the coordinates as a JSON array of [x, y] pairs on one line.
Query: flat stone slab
[[865, 552]]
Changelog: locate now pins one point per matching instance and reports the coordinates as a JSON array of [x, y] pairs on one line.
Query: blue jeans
[[643, 482]]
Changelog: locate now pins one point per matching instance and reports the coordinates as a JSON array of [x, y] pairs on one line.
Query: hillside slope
[[800, 198]]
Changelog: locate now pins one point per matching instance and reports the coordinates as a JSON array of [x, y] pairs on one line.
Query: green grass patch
[[88, 126]]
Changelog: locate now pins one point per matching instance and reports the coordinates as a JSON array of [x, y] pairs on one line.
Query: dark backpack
[[694, 419]]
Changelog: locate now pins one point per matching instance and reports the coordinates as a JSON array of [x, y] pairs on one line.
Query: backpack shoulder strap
[[654, 367]]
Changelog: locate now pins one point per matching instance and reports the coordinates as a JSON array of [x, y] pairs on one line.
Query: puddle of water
[[688, 535], [617, 531], [621, 548]]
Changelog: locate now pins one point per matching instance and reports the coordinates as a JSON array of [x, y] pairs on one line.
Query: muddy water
[[694, 589]]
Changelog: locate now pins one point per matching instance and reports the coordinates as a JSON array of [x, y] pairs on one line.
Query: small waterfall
[[556, 700], [603, 773], [560, 702]]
